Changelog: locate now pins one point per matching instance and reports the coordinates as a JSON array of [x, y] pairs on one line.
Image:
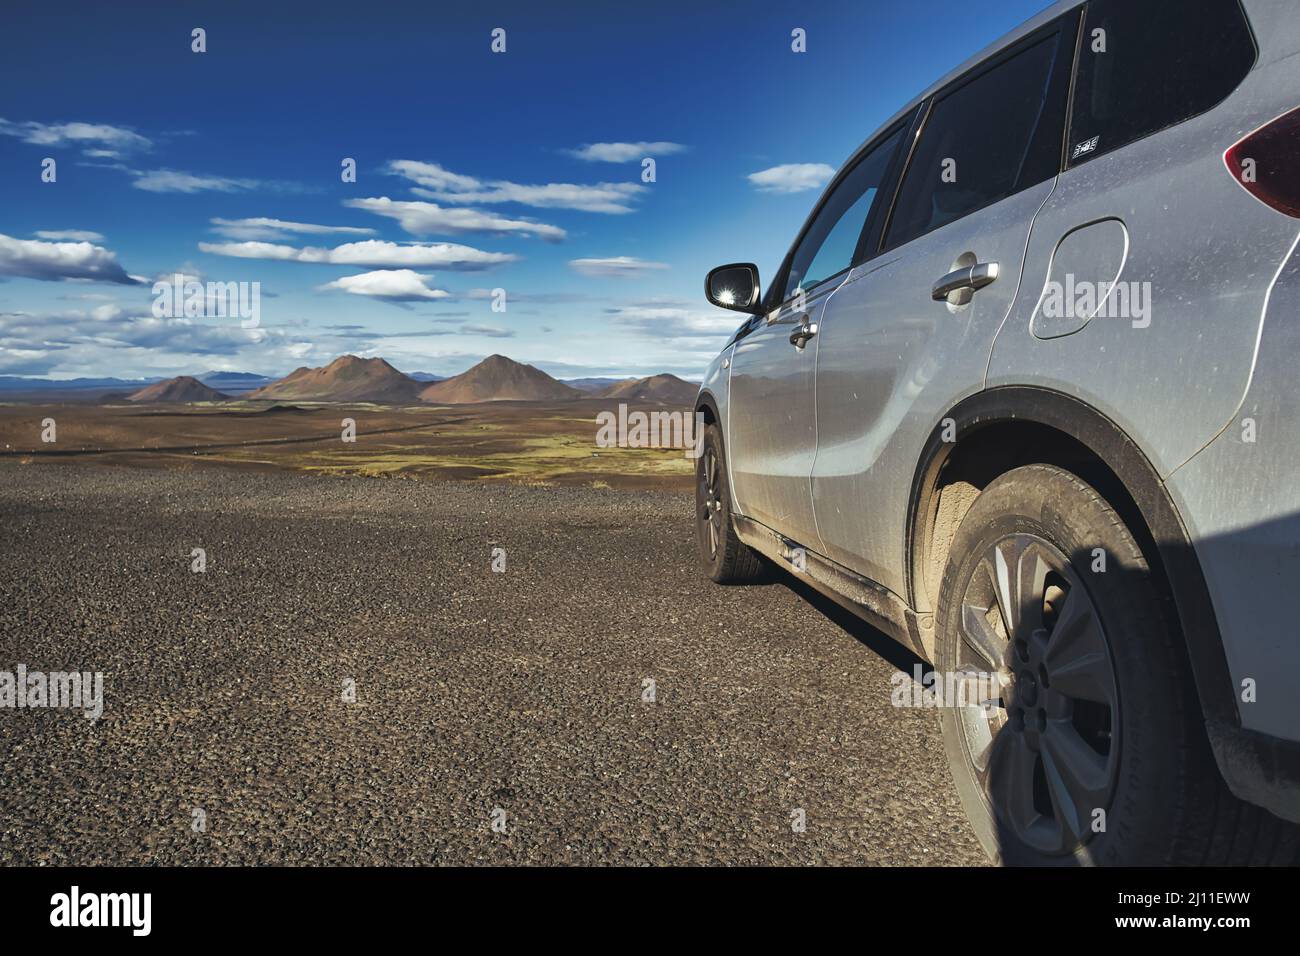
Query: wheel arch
[[707, 405], [1002, 428]]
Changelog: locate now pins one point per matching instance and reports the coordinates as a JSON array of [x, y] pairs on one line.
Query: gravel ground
[[475, 691]]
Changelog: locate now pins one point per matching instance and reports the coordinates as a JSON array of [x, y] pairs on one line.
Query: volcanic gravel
[[520, 697]]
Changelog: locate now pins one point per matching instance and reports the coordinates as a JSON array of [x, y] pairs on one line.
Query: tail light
[[1267, 163]]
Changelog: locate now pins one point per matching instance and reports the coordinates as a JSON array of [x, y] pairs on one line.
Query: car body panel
[[891, 361], [1241, 502], [772, 428], [1173, 377]]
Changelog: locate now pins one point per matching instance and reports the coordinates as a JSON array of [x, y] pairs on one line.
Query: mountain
[[233, 382], [183, 388], [666, 389], [426, 377], [592, 384], [18, 383], [497, 379], [346, 379]]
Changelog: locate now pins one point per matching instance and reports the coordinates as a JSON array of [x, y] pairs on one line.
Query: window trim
[[874, 228], [1072, 19], [1066, 134]]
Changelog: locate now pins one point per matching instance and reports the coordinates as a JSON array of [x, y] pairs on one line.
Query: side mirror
[[734, 287]]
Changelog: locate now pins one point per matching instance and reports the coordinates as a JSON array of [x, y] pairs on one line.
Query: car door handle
[[973, 278], [802, 334]]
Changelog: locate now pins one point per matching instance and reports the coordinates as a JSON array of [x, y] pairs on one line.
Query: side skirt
[[873, 603]]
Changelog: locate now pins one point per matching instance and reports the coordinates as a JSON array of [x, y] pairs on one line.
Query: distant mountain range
[[352, 379], [18, 383], [234, 382], [231, 383], [593, 384]]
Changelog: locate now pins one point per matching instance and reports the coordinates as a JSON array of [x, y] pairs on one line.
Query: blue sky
[[473, 172]]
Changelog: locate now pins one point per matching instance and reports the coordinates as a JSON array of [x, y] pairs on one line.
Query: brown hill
[[499, 379], [346, 379], [183, 388], [668, 389]]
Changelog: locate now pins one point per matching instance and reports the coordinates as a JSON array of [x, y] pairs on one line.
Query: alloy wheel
[[710, 499], [1046, 749]]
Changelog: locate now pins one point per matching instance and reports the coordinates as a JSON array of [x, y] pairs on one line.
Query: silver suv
[[1023, 395]]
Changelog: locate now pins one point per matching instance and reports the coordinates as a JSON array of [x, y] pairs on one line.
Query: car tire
[[726, 558], [1093, 751]]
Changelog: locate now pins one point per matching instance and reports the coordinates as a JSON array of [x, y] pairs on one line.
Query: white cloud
[[87, 297], [120, 167], [433, 176], [72, 235], [260, 227], [371, 252], [426, 218], [490, 331], [35, 259], [176, 181], [673, 321], [674, 335], [187, 271], [792, 177], [96, 139], [394, 285], [434, 182], [545, 298], [625, 152], [610, 198], [107, 338], [617, 267]]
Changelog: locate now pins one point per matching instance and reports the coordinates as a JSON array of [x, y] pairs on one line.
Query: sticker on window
[[1084, 148]]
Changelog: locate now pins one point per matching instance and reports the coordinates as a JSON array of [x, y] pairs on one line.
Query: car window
[[993, 136], [828, 246], [1147, 66]]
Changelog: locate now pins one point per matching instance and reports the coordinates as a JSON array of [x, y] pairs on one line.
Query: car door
[[898, 347], [772, 428]]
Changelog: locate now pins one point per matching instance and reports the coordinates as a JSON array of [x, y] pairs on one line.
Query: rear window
[[1149, 65]]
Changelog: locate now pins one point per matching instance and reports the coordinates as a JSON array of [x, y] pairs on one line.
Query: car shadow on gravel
[[884, 646]]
